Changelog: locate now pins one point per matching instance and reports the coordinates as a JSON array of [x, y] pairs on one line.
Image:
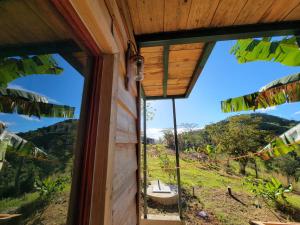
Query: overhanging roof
[[35, 27], [177, 36]]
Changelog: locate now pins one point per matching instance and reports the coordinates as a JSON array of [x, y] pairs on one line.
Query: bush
[[49, 187]]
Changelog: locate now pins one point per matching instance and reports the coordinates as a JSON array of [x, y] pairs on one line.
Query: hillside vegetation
[[40, 189]]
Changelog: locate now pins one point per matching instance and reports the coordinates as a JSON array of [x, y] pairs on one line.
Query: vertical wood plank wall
[[125, 158]]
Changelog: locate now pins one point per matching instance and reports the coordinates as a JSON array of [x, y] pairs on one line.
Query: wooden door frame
[[90, 200]]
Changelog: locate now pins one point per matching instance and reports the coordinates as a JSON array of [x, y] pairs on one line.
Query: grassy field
[[210, 183]]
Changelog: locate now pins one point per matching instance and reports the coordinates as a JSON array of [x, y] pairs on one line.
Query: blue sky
[[221, 78], [65, 89]]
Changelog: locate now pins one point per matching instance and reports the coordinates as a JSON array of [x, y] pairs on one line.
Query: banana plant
[[12, 142], [285, 51], [284, 90], [24, 102]]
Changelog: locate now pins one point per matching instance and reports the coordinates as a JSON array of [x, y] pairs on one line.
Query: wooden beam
[[199, 67], [219, 34], [164, 98], [62, 47], [166, 69]]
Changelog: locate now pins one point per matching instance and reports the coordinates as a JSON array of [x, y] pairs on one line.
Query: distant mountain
[[57, 140], [271, 125], [275, 124]]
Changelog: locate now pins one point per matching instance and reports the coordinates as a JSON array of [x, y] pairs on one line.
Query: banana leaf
[[286, 51], [12, 142], [273, 96], [38, 109], [30, 104], [15, 93], [13, 68], [282, 145]]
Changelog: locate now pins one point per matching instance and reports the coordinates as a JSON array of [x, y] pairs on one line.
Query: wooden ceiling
[[170, 16], [35, 27]]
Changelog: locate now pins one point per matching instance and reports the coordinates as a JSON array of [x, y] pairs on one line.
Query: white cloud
[[30, 118], [157, 133], [9, 124], [297, 113], [272, 108], [14, 86]]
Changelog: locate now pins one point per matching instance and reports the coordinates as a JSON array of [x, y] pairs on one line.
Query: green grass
[[10, 204], [208, 179]]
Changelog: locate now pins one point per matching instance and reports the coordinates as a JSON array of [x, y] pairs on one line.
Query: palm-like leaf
[[27, 103], [13, 68], [286, 51], [12, 142], [273, 95]]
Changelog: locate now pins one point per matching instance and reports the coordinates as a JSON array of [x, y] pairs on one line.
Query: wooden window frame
[[90, 197]]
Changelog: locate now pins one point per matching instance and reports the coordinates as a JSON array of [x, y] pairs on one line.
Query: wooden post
[[145, 159], [177, 159]]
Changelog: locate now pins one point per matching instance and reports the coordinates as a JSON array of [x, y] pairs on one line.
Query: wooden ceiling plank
[[50, 17], [293, 15], [201, 13], [152, 49], [185, 55], [151, 15], [253, 12], [20, 16], [134, 14], [176, 14], [280, 10], [227, 12], [10, 33], [186, 46], [153, 58]]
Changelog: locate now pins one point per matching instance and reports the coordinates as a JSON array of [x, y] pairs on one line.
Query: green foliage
[[23, 102], [30, 104], [273, 96], [271, 190], [58, 140], [50, 186], [150, 111], [166, 164], [285, 51], [13, 68], [279, 147]]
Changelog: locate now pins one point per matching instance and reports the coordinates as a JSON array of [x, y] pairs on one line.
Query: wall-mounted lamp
[[138, 67], [134, 65]]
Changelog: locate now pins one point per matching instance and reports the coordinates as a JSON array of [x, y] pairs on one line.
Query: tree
[[169, 138], [188, 137], [241, 137], [289, 164], [150, 111]]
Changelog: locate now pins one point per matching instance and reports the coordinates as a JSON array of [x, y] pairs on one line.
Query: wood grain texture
[[227, 12], [294, 14], [279, 10], [176, 14], [201, 13], [253, 11]]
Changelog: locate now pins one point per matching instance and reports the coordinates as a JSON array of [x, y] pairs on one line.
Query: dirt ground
[[221, 210], [53, 214]]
